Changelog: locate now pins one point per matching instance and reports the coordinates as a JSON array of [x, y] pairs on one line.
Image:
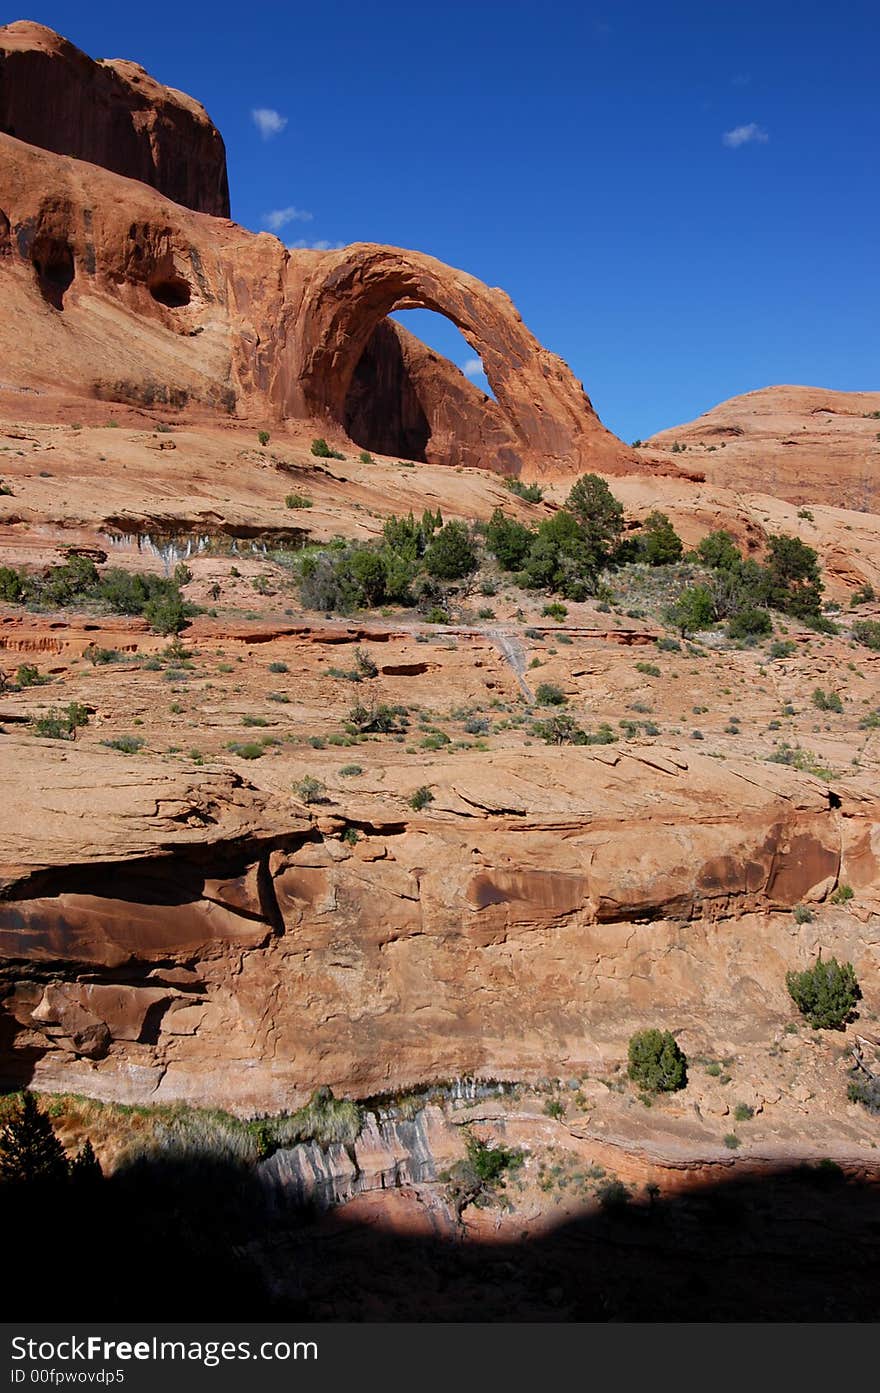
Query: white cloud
[[280, 217], [752, 134], [314, 246], [268, 122], [473, 368]]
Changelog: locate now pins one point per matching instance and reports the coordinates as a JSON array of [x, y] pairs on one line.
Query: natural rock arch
[[349, 292]]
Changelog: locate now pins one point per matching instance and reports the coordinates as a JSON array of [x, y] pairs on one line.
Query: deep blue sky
[[574, 154]]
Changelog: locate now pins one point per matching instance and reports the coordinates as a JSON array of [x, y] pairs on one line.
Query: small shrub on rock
[[613, 1195], [826, 994], [656, 1063], [125, 744], [750, 622], [310, 790], [30, 676], [364, 664], [867, 632], [866, 1092], [530, 493], [61, 725], [481, 1174], [827, 701], [548, 694], [321, 449], [555, 610]]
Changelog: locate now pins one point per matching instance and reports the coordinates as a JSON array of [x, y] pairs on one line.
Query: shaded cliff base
[[207, 1238]]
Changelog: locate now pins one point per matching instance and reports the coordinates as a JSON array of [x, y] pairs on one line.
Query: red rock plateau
[[217, 895]]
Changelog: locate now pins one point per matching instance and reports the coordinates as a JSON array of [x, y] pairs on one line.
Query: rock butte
[[177, 924]]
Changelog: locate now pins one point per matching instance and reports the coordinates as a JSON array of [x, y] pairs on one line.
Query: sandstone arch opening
[[410, 386], [356, 300], [54, 268], [540, 417], [441, 337]]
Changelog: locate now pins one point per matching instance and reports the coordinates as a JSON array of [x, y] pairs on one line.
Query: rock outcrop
[[804, 444], [350, 291], [111, 113], [294, 847]]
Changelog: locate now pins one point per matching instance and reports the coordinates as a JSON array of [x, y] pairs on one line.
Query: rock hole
[[5, 246], [53, 264], [152, 1023], [173, 292]]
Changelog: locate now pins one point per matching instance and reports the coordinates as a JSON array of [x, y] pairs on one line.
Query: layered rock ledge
[[184, 933]]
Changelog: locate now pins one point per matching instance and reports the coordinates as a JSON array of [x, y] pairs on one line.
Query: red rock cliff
[[111, 113]]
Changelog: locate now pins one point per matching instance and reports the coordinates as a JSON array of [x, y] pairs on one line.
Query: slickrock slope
[[111, 113], [804, 444], [89, 484], [177, 923]]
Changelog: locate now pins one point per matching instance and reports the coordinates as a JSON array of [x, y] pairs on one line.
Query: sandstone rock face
[[388, 1153], [110, 113], [178, 922], [804, 444], [112, 292], [197, 937]]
